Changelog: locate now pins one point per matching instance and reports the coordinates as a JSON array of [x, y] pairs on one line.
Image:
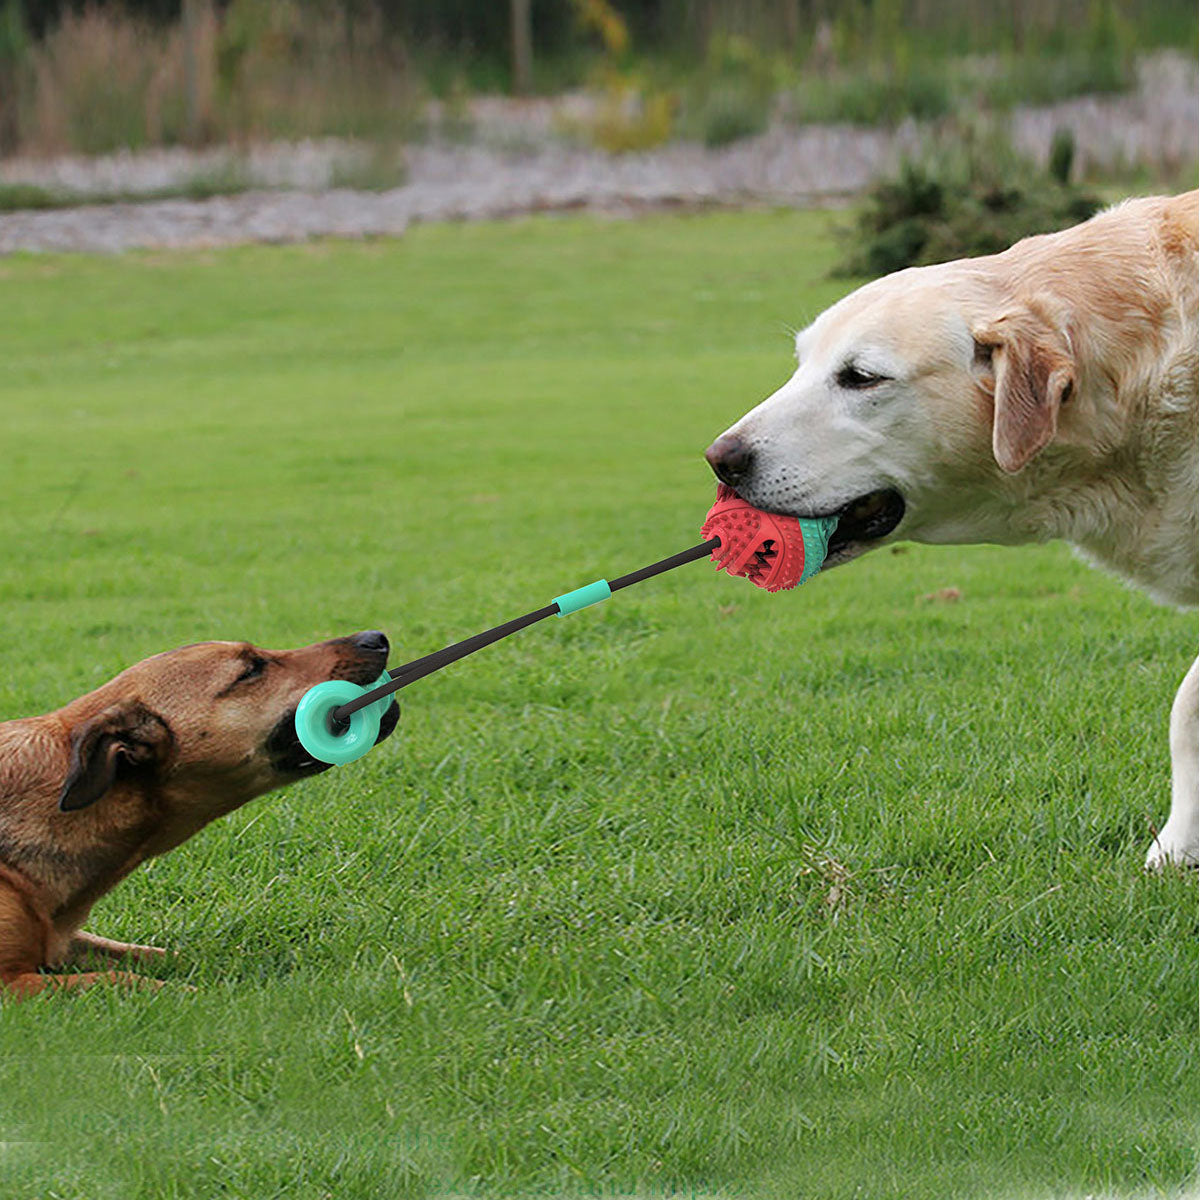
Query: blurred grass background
[[704, 892]]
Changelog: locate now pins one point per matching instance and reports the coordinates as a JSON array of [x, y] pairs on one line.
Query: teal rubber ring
[[313, 722], [816, 532], [591, 593]]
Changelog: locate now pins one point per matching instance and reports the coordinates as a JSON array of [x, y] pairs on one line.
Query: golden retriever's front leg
[[83, 944], [1179, 840]]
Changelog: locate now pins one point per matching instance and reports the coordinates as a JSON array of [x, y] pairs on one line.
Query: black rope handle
[[418, 668]]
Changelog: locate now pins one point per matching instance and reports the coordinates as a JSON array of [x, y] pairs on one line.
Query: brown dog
[[133, 769]]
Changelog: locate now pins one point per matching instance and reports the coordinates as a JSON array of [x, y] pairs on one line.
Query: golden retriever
[[133, 769], [1046, 392]]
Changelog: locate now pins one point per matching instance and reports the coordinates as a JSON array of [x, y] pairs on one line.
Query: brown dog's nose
[[371, 639], [730, 458]]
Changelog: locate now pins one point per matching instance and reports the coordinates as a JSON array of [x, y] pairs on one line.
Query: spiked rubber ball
[[773, 551]]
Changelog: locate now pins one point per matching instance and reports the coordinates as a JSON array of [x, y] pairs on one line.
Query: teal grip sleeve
[[817, 531], [591, 593]]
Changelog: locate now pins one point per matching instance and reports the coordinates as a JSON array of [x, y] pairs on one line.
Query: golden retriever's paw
[[1166, 849]]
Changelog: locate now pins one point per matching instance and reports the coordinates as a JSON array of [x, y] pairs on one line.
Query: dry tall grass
[[98, 82], [102, 79], [289, 73]]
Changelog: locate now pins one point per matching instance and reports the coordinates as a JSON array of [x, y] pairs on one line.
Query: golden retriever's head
[[915, 399], [209, 725]]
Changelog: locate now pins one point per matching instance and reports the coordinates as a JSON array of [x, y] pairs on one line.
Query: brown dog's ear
[[1032, 376], [126, 731]]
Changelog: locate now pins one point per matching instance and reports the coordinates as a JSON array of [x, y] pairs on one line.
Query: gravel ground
[[516, 163]]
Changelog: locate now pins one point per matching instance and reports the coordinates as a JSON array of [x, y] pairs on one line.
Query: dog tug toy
[[338, 721]]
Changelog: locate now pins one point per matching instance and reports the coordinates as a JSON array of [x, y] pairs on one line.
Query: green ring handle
[[313, 722]]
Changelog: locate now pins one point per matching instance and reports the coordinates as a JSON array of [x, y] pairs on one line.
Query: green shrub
[[1047, 78], [632, 114], [728, 112], [1062, 156], [15, 196], [970, 193], [873, 95], [732, 96]]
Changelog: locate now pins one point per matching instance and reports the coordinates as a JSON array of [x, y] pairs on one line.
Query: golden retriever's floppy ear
[[124, 732], [1032, 376]]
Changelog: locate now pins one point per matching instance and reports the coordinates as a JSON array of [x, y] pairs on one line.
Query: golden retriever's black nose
[[371, 639], [730, 458]]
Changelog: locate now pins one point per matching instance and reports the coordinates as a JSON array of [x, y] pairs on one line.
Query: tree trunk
[[191, 71], [791, 24], [522, 47]]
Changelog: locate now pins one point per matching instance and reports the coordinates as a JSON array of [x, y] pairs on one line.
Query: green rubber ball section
[[314, 720], [816, 532]]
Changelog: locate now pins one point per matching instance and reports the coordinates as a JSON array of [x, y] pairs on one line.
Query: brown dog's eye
[[254, 668], [857, 379]]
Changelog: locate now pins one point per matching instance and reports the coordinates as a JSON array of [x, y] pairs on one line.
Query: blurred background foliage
[[98, 76]]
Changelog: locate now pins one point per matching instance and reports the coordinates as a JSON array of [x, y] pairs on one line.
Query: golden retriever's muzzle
[[362, 659], [864, 519]]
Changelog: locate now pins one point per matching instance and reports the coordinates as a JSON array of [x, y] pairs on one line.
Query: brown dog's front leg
[[83, 944], [33, 982]]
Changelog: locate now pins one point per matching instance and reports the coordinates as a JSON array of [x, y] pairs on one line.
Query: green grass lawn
[[703, 892]]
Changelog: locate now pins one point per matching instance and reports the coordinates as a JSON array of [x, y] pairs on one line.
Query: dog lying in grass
[[1046, 392], [133, 769]]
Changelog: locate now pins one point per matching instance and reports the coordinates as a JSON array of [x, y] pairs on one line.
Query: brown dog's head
[[209, 724]]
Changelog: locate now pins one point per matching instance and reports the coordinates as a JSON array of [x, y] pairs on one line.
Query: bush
[[870, 70], [1034, 79], [970, 194], [732, 96], [729, 112], [14, 196], [632, 115], [874, 95]]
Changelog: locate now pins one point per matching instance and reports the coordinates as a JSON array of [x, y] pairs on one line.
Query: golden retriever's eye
[[254, 668], [857, 379]]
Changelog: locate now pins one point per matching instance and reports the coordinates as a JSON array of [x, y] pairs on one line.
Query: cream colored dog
[[1046, 392]]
